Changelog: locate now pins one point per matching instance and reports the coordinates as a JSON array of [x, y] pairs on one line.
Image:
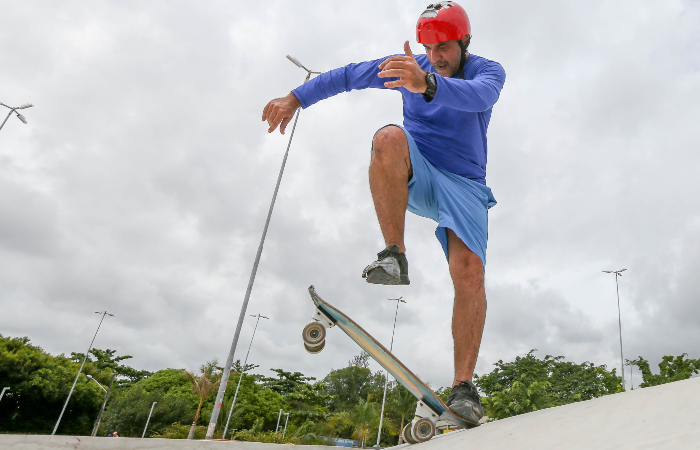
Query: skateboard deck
[[429, 405]]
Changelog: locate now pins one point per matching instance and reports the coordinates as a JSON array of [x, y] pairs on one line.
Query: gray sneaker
[[391, 267], [465, 402]]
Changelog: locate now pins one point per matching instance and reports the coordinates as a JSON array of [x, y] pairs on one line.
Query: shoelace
[[472, 392]]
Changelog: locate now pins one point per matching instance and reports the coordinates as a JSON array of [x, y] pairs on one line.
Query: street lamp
[[104, 402], [2, 394], [277, 427], [285, 425], [14, 110], [244, 307], [618, 273], [259, 316], [148, 420], [104, 313], [386, 380]]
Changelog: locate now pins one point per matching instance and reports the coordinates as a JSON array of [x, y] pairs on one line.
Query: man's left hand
[[406, 68]]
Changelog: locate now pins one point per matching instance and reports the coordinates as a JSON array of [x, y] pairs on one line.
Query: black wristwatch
[[432, 86]]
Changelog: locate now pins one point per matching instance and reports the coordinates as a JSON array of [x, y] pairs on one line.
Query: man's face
[[445, 57]]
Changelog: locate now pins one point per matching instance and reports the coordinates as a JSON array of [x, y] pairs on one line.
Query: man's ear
[[465, 40]]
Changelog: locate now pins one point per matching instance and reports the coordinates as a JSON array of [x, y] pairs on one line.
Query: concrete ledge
[[660, 417], [37, 442]]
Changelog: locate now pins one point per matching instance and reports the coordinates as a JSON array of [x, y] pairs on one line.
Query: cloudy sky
[[141, 183]]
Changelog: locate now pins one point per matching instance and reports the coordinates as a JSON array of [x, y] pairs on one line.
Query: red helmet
[[443, 21]]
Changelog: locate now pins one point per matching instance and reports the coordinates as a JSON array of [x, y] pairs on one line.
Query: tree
[[39, 385], [206, 382], [348, 386], [286, 382], [129, 411], [364, 416], [106, 361], [259, 403], [670, 369], [309, 402], [401, 405], [567, 383], [520, 398]]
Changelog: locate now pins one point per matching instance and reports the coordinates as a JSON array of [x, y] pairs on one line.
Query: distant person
[[434, 166]]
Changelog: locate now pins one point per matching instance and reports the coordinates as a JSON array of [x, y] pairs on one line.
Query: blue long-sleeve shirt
[[450, 130]]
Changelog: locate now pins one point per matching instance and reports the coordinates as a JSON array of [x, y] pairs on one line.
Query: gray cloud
[[142, 180]]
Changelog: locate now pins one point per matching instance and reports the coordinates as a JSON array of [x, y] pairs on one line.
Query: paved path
[[660, 417]]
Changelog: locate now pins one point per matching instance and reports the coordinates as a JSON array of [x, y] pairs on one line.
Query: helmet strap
[[463, 61]]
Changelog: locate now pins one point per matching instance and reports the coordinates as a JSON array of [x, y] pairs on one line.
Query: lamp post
[[148, 420], [259, 316], [277, 428], [246, 299], [14, 110], [104, 403], [618, 273], [285, 425], [2, 394], [386, 380], [104, 313]]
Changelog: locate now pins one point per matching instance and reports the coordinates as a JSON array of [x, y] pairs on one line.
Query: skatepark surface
[[660, 417]]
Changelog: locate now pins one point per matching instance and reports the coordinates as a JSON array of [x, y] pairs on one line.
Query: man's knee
[[467, 270], [466, 267], [390, 142]]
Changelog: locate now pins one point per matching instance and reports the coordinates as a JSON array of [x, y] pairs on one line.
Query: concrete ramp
[[661, 417]]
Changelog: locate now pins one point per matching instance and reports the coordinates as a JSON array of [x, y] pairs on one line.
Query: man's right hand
[[280, 111]]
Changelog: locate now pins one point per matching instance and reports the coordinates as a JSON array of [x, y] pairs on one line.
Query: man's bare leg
[[389, 172], [469, 311]]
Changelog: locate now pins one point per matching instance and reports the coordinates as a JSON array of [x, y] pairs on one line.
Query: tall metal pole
[[2, 394], [244, 307], [148, 420], [102, 408], [104, 313], [277, 428], [240, 377], [618, 273], [8, 116], [386, 379], [285, 425]]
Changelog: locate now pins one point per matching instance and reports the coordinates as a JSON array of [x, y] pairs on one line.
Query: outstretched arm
[[280, 111]]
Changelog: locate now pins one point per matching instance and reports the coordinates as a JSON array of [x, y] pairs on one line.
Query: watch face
[[431, 81]]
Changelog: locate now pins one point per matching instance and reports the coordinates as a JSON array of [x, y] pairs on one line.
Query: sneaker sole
[[380, 276]]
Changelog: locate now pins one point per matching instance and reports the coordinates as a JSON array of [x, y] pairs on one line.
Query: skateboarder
[[434, 165]]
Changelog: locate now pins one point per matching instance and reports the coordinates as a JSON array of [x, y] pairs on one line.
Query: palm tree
[[404, 403], [204, 384], [364, 416]]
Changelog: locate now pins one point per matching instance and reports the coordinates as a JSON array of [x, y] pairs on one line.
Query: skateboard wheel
[[422, 430], [314, 334], [406, 434], [314, 350]]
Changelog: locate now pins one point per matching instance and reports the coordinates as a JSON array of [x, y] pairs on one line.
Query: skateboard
[[429, 408]]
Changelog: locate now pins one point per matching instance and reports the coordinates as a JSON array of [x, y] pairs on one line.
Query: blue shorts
[[451, 200]]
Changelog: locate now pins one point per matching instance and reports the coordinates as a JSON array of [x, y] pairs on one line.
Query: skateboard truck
[[314, 334], [423, 426]]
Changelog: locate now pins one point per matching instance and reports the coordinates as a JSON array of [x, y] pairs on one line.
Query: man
[[434, 166]]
